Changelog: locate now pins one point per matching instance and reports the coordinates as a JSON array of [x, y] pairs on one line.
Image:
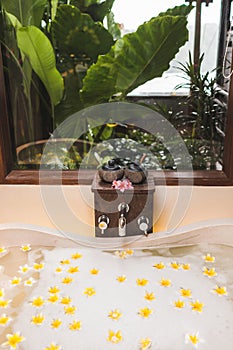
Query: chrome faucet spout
[[123, 208]]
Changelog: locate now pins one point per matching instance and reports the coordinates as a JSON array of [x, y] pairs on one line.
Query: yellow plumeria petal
[[141, 282], [179, 304], [38, 301], [5, 303], [114, 337], [193, 338], [145, 312], [165, 282], [197, 306], [2, 292], [54, 290], [209, 258], [75, 326], [186, 293], [15, 281], [29, 282], [73, 269], [121, 278], [175, 265], [145, 343], [56, 323], [76, 256], [65, 300], [89, 292], [38, 266], [65, 262], [220, 290], [24, 269], [4, 320], [25, 248], [186, 266], [121, 254], [115, 314], [59, 269], [129, 251], [13, 340], [38, 319], [53, 346], [70, 310], [67, 280], [3, 250], [53, 298], [149, 296], [209, 272], [94, 271], [160, 266]]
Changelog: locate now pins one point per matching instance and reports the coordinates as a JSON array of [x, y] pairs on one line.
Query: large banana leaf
[[37, 47], [28, 12], [136, 58], [77, 34]]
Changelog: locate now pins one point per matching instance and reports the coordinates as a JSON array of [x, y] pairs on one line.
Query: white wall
[[74, 213]]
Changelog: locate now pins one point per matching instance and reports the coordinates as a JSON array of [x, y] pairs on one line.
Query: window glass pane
[[55, 67]]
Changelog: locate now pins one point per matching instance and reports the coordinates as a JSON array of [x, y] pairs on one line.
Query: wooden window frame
[[85, 177]]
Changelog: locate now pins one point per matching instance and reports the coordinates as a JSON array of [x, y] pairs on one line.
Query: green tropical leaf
[[28, 12], [54, 5], [135, 59], [182, 10], [97, 10], [37, 47], [77, 34]]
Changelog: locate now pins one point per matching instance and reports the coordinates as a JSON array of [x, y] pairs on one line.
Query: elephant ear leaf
[[135, 59], [36, 46]]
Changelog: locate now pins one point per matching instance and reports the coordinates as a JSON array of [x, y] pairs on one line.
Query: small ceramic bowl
[[111, 171], [135, 173]]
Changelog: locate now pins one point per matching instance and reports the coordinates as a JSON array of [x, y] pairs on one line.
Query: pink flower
[[122, 185]]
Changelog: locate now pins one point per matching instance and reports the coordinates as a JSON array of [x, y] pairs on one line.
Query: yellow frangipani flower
[[56, 323], [4, 320], [197, 306], [15, 281], [38, 301], [26, 248], [13, 340], [53, 346], [54, 290], [145, 312], [121, 278], [209, 272], [145, 343], [121, 254], [3, 250], [24, 269], [186, 266], [193, 339], [89, 291], [114, 337], [67, 280], [75, 326], [175, 265], [165, 282], [220, 290], [29, 282], [2, 292], [70, 310], [187, 293], [209, 258], [73, 269], [94, 271], [65, 262], [115, 314], [4, 303], [38, 266], [65, 300], [38, 319], [141, 282], [58, 269], [53, 298], [76, 256], [149, 296], [129, 251], [179, 304], [159, 266]]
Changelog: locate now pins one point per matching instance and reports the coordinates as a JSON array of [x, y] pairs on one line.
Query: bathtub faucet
[[123, 209]]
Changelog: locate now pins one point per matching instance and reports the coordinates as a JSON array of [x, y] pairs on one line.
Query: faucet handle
[[143, 224], [103, 222]]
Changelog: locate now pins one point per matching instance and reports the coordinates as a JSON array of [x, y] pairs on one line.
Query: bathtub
[[167, 291]]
